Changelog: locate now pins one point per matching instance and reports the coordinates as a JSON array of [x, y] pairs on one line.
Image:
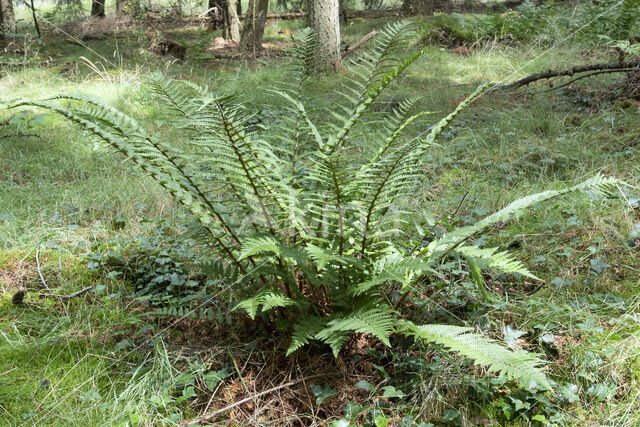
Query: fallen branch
[[69, 296], [248, 399], [350, 49], [593, 73], [612, 67]]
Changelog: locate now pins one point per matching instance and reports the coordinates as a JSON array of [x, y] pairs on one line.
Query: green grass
[[59, 362]]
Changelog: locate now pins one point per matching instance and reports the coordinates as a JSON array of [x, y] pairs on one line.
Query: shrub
[[523, 23], [612, 18], [317, 234]]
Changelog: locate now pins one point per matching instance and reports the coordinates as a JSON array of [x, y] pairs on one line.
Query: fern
[[440, 247], [313, 231], [519, 365], [377, 321], [265, 300], [304, 331], [493, 259]]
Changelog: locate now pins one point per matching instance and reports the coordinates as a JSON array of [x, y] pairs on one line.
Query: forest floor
[[97, 359]]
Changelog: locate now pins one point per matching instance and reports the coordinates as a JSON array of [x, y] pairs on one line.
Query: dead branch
[[593, 73], [44, 282], [69, 296], [248, 399], [612, 67], [350, 49]]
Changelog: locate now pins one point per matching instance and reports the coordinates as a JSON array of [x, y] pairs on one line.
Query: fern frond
[[377, 321], [304, 331], [322, 257], [303, 114], [394, 269], [266, 299], [442, 124], [180, 97], [493, 259], [154, 159], [440, 247], [521, 365], [259, 245], [373, 91]]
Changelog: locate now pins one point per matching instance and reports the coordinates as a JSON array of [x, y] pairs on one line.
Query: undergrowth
[[584, 325]]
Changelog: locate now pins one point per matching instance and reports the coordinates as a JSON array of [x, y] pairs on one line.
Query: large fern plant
[[309, 210]]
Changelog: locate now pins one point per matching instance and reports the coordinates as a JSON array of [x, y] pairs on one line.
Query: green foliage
[[523, 23], [313, 230], [520, 364], [265, 300], [615, 19], [157, 265]]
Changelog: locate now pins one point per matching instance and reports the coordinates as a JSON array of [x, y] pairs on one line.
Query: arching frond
[[518, 365]]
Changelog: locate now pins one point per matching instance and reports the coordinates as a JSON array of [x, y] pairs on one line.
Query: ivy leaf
[[322, 393], [598, 265], [390, 391], [187, 393], [382, 421], [212, 379], [569, 392], [364, 385]]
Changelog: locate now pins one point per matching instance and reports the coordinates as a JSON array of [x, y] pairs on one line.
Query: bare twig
[[248, 399], [44, 282], [35, 20], [69, 296], [350, 49]]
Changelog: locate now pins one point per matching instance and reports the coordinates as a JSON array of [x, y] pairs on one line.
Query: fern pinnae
[[521, 365], [178, 96], [494, 259], [446, 121], [303, 113], [440, 247], [163, 177], [233, 135], [370, 89], [115, 118]]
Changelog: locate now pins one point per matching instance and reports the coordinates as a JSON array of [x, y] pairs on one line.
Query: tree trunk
[[418, 7], [216, 13], [325, 22], [233, 20], [310, 13], [253, 28], [7, 18], [97, 8], [224, 13]]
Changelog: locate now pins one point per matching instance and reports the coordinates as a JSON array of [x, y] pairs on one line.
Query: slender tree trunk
[[325, 22], [234, 20], [253, 27], [7, 18], [418, 7], [97, 8]]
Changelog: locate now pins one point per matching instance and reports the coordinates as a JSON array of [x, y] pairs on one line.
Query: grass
[[98, 360]]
